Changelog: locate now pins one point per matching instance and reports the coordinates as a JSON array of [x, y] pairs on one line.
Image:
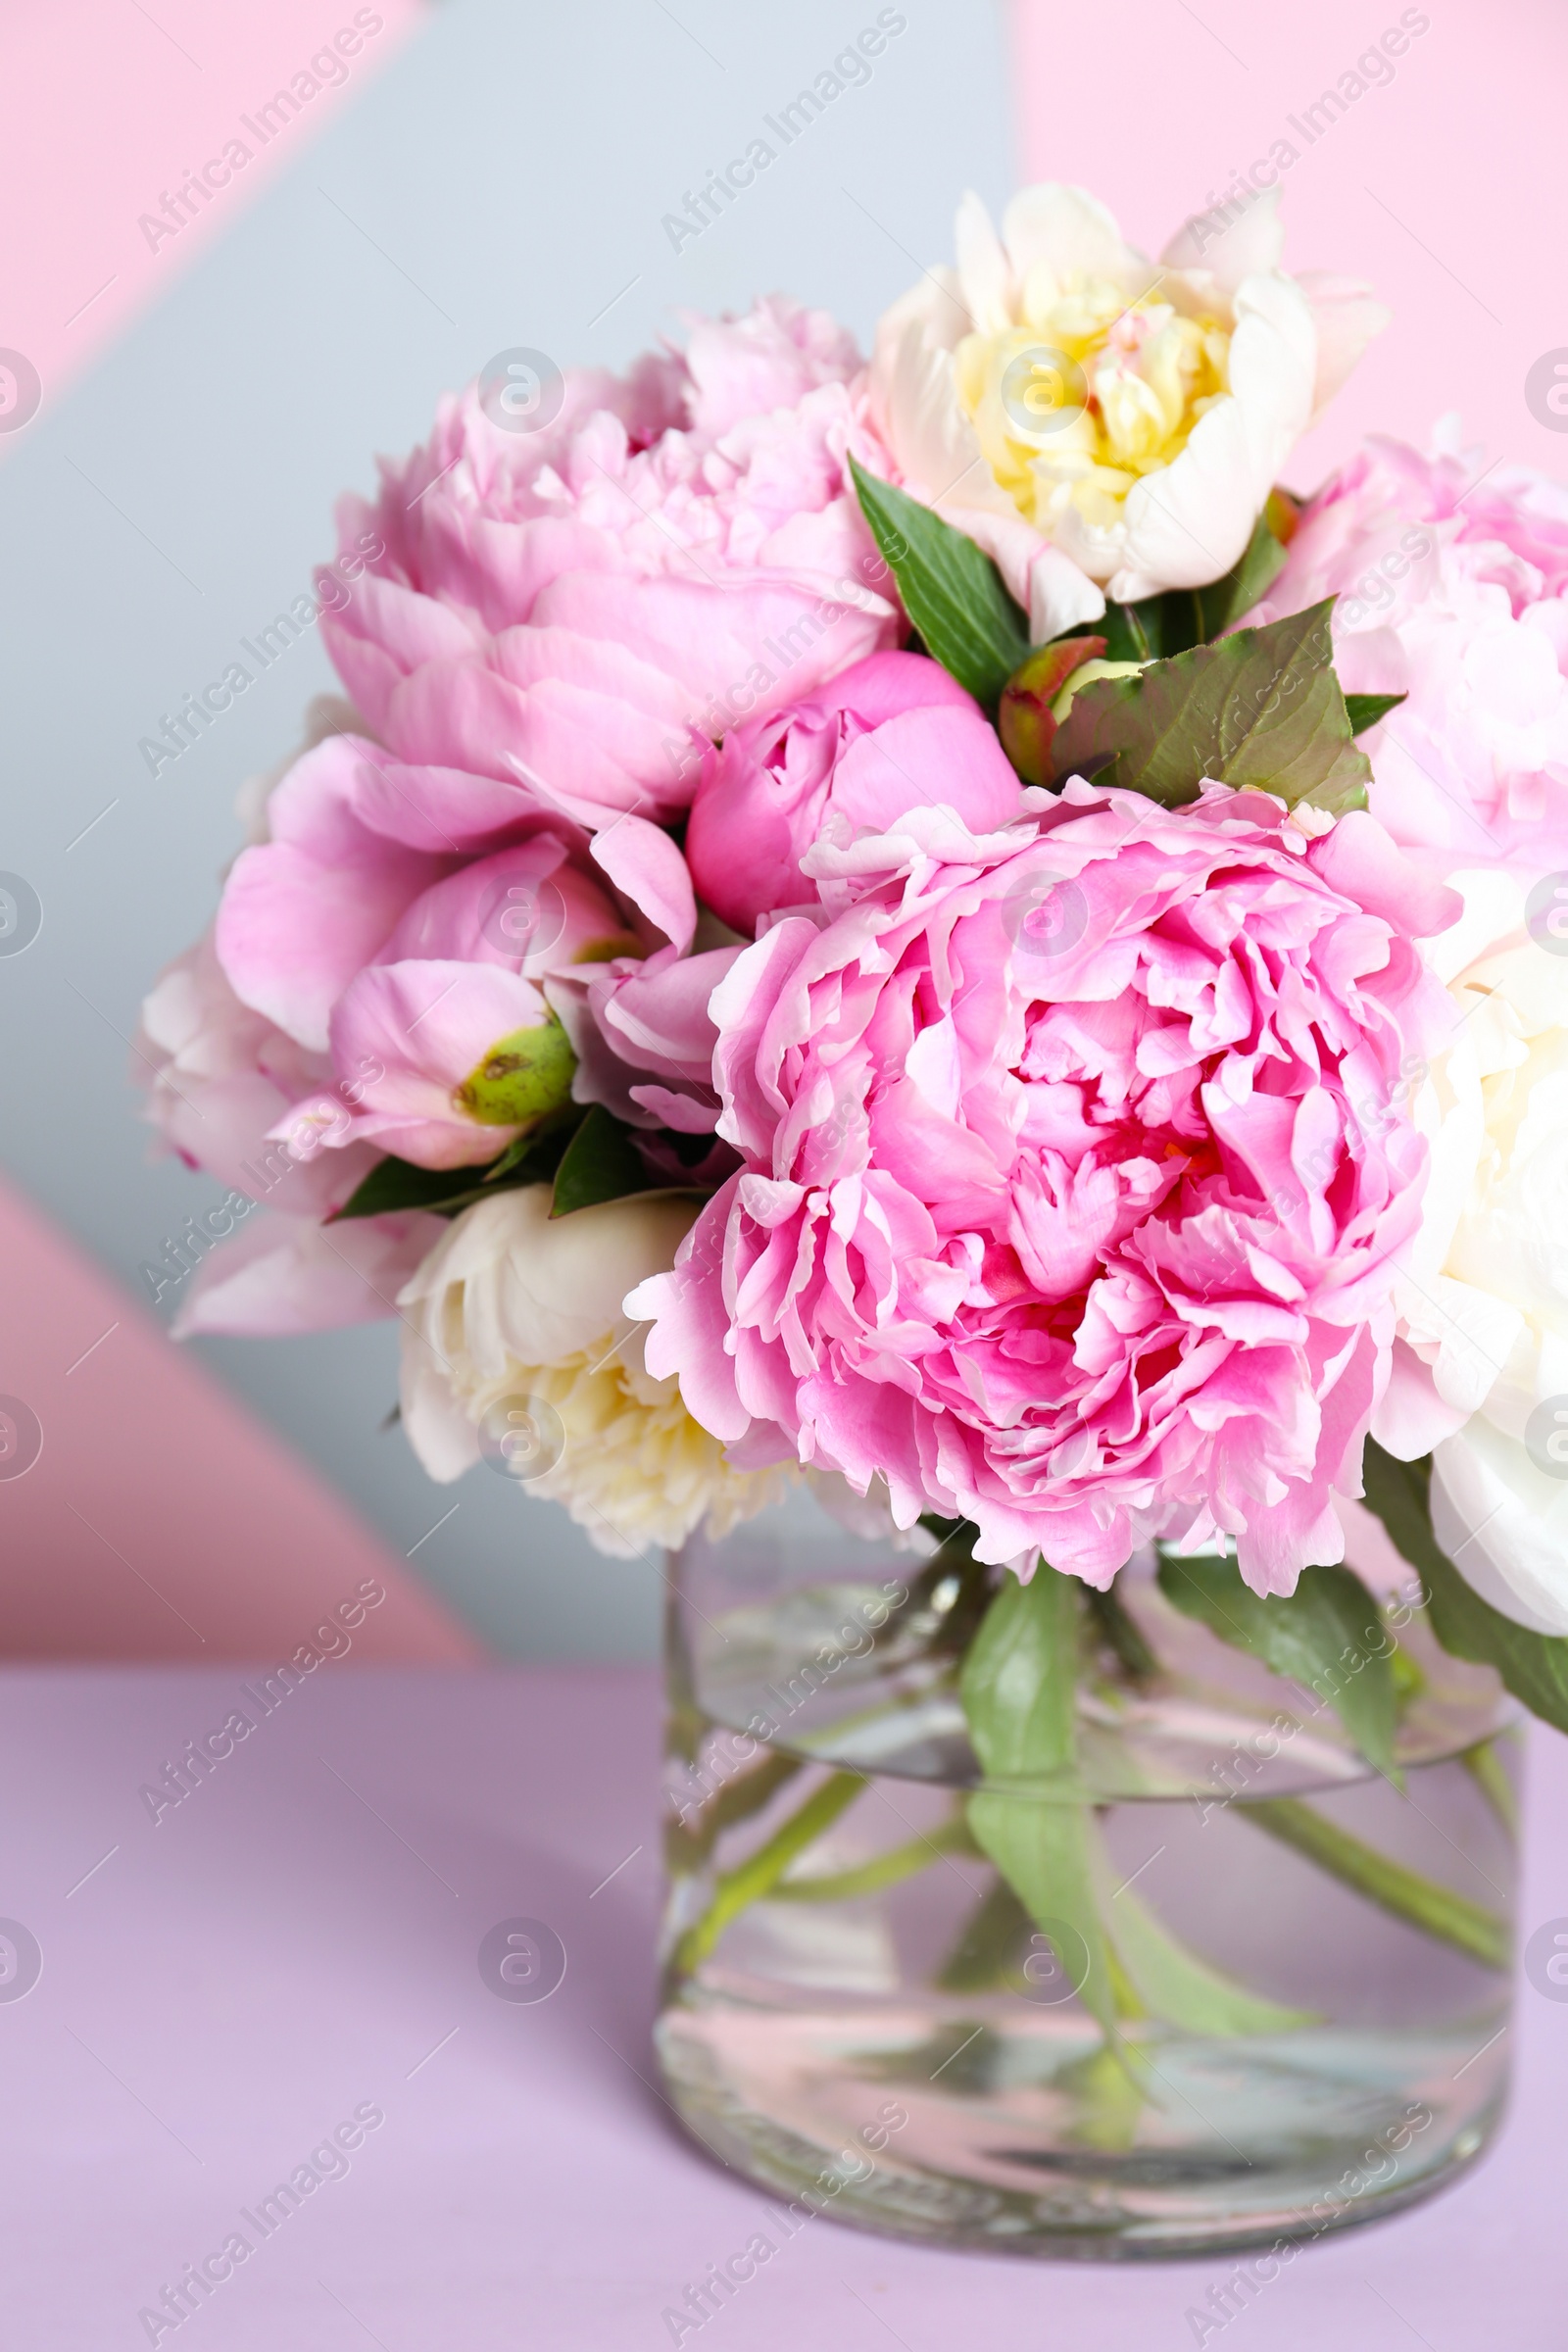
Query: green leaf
[[1366, 709], [1132, 632], [1532, 1666], [992, 1945], [394, 1184], [1019, 1687], [1327, 1635], [1042, 1850], [521, 1148], [1020, 1679], [397, 1184], [1263, 708], [600, 1163], [950, 589], [1172, 1982]]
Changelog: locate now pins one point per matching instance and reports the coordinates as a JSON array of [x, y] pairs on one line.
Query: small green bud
[[1025, 720], [521, 1078]]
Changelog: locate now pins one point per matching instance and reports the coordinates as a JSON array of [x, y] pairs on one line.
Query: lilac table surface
[[298, 1939]]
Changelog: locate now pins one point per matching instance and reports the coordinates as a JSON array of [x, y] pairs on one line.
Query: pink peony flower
[[580, 606], [447, 1038], [235, 1095], [891, 733], [1453, 590], [408, 977], [223, 1080], [1077, 1175], [281, 1276]]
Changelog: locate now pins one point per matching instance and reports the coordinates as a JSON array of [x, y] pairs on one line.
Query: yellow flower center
[[1087, 393]]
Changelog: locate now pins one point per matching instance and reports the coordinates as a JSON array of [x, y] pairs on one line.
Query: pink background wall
[[104, 112], [161, 1519], [1444, 187]]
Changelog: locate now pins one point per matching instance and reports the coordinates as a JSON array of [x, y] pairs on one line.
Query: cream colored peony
[[1096, 422], [515, 1349], [1484, 1304]]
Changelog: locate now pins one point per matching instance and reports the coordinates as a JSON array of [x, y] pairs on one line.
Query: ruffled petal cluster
[[578, 608], [1077, 1176], [1451, 580], [1481, 1375], [517, 1319]]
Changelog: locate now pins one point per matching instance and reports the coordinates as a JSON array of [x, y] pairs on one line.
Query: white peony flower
[[1096, 422], [516, 1348], [1483, 1379]]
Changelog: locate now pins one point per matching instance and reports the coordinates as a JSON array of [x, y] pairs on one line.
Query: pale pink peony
[[232, 1093], [281, 1276], [223, 1080], [1452, 588], [1078, 1172], [580, 607], [892, 733], [367, 931], [1100, 424], [421, 1033]]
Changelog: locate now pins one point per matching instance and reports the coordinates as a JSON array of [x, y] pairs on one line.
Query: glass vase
[[1305, 1965]]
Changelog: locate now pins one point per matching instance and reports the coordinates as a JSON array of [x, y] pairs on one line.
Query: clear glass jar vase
[[1307, 1964]]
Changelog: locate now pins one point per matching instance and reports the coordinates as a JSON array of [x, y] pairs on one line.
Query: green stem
[[1421, 1902], [760, 1872], [1114, 1625], [991, 1945], [884, 1870], [747, 1793], [1485, 1767]]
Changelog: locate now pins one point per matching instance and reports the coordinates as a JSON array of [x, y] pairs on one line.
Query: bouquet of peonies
[[927, 926]]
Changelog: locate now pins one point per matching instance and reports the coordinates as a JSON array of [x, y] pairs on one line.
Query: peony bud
[[890, 733], [521, 1078], [1084, 676], [1026, 721]]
